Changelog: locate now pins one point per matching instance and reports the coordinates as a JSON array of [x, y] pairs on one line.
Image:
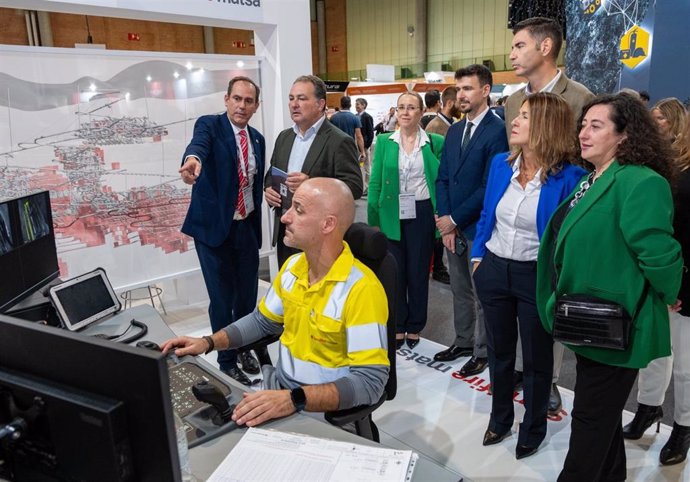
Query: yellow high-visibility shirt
[[332, 325]]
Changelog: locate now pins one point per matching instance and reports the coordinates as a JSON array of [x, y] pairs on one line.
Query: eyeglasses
[[409, 108]]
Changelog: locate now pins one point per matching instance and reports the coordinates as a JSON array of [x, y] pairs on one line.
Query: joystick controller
[[211, 394]]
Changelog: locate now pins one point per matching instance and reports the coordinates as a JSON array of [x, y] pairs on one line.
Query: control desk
[[211, 443]]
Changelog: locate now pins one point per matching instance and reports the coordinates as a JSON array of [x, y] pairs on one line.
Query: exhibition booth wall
[[105, 130]]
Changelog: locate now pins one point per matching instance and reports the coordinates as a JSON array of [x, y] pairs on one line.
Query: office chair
[[370, 247]]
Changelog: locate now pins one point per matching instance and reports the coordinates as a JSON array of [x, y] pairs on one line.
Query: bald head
[[322, 211], [334, 198]]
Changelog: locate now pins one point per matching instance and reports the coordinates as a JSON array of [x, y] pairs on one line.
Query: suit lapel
[[282, 150], [461, 152], [560, 85], [228, 138], [317, 146], [473, 140], [476, 134]]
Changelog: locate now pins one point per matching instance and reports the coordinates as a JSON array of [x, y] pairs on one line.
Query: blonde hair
[[415, 95], [682, 147], [551, 133], [674, 112]]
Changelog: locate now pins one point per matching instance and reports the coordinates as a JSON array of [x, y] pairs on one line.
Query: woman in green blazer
[[613, 239], [402, 203]]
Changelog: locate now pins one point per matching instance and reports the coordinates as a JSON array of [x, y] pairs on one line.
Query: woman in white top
[[402, 202], [523, 190]]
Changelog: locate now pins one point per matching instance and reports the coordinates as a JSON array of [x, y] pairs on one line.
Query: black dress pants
[[596, 452], [231, 275], [413, 256], [507, 292]]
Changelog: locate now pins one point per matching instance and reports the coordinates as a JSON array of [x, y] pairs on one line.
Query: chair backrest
[[370, 246]]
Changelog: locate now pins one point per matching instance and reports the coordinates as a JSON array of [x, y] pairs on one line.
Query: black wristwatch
[[299, 399]]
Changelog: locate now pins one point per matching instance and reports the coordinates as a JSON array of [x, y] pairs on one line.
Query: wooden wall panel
[[336, 37], [13, 27], [69, 29], [224, 38], [314, 48]]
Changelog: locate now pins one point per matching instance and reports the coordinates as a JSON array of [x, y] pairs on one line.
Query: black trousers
[[413, 255], [596, 451], [507, 291]]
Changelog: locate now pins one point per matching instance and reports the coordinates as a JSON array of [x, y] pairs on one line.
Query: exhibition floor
[[438, 413]]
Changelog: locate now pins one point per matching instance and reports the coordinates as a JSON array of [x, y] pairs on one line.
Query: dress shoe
[[517, 380], [412, 342], [238, 375], [522, 451], [441, 275], [399, 342], [676, 449], [492, 438], [555, 402], [452, 353], [248, 362], [644, 418], [474, 366]]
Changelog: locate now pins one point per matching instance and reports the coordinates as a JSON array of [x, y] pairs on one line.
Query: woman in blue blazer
[[523, 190]]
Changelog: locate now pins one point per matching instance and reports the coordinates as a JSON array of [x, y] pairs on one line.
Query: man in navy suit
[[465, 161], [225, 164]]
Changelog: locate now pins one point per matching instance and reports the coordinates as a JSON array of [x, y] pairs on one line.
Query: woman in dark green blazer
[[609, 240], [402, 203]]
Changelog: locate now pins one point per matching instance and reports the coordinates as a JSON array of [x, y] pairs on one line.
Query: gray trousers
[[468, 317]]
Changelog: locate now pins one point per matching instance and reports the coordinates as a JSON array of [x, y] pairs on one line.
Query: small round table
[[145, 292]]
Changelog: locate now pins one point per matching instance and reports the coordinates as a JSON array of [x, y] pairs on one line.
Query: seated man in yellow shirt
[[330, 308]]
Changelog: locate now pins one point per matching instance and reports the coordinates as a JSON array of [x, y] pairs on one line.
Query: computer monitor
[[93, 409], [28, 258]]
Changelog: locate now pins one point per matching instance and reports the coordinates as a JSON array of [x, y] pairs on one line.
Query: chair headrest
[[366, 242]]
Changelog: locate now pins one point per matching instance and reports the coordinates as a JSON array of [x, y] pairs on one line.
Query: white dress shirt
[[515, 234], [301, 146], [548, 87], [411, 167]]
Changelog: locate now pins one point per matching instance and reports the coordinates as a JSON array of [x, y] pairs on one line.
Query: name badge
[[408, 207], [248, 199]]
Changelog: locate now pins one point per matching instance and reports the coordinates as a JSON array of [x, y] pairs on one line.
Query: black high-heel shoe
[[412, 342], [492, 438], [676, 449], [522, 451], [645, 417], [399, 342]]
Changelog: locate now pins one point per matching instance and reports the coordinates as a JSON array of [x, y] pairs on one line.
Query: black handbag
[[590, 321]]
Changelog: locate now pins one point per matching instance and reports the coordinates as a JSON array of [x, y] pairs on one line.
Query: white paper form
[[269, 455]]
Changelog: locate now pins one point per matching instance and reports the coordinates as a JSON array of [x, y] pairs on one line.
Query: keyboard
[[183, 376]]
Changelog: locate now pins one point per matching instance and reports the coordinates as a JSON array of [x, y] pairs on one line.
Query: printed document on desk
[[271, 455]]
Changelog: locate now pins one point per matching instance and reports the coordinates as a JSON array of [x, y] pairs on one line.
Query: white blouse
[[411, 167], [515, 234]]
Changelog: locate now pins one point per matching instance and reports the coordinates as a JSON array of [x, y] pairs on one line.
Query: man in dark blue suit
[[465, 161], [225, 164]]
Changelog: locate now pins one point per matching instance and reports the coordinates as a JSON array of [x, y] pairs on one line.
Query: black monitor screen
[[92, 409], [28, 258]]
